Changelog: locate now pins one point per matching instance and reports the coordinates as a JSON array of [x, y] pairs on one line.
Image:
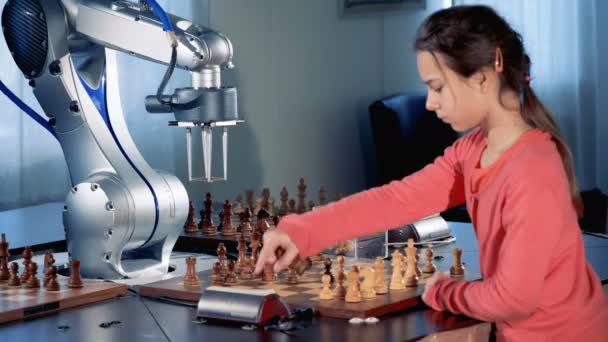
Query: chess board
[[22, 303], [306, 292]]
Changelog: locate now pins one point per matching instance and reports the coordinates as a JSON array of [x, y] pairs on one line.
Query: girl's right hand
[[273, 241]]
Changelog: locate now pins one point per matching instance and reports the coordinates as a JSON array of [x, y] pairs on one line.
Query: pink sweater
[[537, 285]]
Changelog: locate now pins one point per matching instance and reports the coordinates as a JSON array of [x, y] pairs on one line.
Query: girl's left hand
[[430, 282]]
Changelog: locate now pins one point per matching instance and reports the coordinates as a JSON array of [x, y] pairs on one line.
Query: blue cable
[[24, 107], [167, 26]]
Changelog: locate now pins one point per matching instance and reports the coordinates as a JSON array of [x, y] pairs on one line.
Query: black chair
[[407, 137]]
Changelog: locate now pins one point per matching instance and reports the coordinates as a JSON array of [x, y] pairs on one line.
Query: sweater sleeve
[[534, 210], [434, 188]]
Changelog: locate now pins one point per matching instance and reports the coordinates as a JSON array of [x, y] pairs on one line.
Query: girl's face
[[456, 100]]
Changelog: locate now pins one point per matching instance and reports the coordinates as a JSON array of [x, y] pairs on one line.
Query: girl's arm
[[433, 189]]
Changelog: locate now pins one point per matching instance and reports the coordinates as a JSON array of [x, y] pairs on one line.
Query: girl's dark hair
[[467, 37]]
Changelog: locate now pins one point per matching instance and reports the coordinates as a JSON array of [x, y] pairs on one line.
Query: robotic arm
[[122, 218]]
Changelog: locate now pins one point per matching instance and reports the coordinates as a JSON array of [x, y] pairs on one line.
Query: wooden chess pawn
[[411, 276], [27, 259], [231, 276], [380, 285], [33, 282], [191, 226], [292, 277], [368, 287], [353, 291], [292, 206], [326, 293], [327, 264], [4, 273], [49, 262], [284, 208], [216, 277], [396, 275], [75, 282], [52, 284], [340, 290], [311, 205], [457, 268], [246, 269], [13, 279], [191, 278], [209, 227], [322, 196], [269, 276], [247, 228], [227, 228], [428, 267]]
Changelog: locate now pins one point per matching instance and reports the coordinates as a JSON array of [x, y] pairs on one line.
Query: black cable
[[167, 76]]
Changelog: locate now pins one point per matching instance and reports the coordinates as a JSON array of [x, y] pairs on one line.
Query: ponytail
[[536, 115]]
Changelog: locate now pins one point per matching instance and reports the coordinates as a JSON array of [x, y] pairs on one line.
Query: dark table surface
[[142, 319]]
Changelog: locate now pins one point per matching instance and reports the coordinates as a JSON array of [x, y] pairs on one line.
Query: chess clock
[[252, 306]]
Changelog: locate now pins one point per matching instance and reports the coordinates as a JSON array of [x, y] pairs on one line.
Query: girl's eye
[[438, 89]]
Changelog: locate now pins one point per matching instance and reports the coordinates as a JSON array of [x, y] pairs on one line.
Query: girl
[[513, 170]]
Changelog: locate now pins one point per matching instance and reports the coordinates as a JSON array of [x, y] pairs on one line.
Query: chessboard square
[[296, 288], [313, 291], [18, 298], [14, 290], [283, 293], [311, 285]]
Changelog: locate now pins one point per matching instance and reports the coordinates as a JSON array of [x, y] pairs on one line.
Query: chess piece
[[353, 291], [220, 225], [284, 208], [411, 277], [249, 199], [326, 293], [369, 282], [292, 206], [75, 281], [292, 277], [209, 227], [254, 245], [270, 206], [418, 270], [322, 196], [13, 279], [265, 198], [222, 259], [457, 268], [201, 223], [227, 228], [380, 285], [4, 273], [269, 276], [27, 260], [238, 208], [242, 248], [49, 261], [52, 284], [258, 206], [301, 196], [429, 267], [261, 225], [191, 278], [311, 205], [231, 276], [340, 290], [396, 276], [191, 226], [33, 282], [327, 264], [247, 228], [216, 277], [246, 269]]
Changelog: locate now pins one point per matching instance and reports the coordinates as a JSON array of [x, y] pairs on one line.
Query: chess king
[[121, 217]]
